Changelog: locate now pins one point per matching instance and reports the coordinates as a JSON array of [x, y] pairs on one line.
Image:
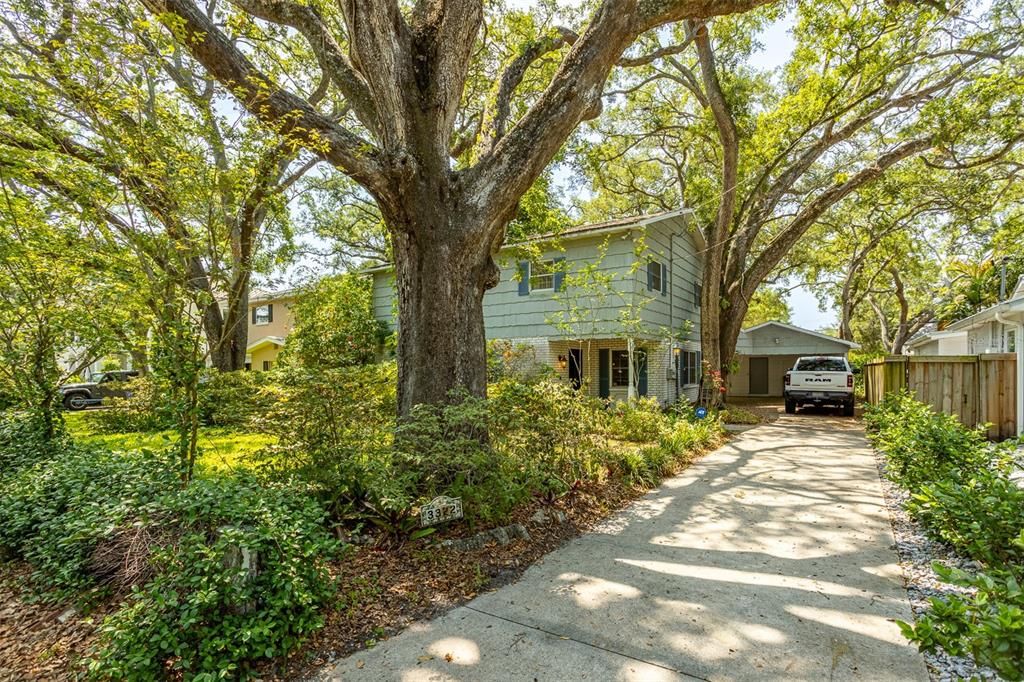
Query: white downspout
[[1019, 343], [1018, 340]]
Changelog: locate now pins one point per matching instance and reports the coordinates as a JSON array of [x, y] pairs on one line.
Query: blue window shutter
[[604, 372], [254, 314], [641, 365], [650, 276], [559, 276], [270, 312], [664, 280], [524, 278]]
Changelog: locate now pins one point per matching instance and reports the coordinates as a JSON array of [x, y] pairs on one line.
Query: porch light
[[563, 362]]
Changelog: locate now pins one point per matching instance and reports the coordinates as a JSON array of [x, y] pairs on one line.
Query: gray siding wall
[[586, 310], [671, 242], [762, 342]]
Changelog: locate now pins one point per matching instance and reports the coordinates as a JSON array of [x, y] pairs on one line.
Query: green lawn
[[221, 449]]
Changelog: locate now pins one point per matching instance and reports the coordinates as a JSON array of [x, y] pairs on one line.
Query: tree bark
[[441, 273]]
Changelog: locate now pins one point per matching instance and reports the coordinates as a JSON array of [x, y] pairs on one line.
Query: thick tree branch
[[288, 114], [305, 19], [775, 251], [574, 94]]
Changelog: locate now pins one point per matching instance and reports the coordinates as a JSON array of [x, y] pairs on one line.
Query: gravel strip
[[917, 552]]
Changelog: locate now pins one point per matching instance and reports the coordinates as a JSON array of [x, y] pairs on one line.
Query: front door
[[576, 367], [758, 376]]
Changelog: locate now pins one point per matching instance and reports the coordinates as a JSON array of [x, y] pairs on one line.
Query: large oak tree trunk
[[442, 270]]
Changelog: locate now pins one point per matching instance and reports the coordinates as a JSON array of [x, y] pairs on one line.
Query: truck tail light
[[849, 381], [786, 380]]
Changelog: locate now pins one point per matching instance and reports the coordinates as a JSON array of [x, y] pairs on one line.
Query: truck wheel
[[75, 402], [848, 409], [790, 407]]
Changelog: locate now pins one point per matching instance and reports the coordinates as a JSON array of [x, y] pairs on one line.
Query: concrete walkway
[[769, 559]]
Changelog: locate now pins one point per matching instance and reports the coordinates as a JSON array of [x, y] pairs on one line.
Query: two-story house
[[270, 322], [584, 296]]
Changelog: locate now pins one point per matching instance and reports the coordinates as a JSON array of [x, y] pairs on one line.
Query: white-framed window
[[620, 368], [1011, 341], [261, 314], [689, 367], [542, 275]]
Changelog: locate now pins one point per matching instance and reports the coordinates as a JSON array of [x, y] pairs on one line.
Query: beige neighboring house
[[270, 321]]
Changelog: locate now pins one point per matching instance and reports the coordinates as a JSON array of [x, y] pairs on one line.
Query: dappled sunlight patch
[[888, 571], [593, 593], [644, 509], [456, 650], [864, 624], [754, 578]]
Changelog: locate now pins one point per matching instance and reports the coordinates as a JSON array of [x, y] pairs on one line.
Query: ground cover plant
[[962, 493], [212, 576]]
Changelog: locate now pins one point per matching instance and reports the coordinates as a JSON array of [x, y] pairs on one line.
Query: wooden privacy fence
[[978, 389]]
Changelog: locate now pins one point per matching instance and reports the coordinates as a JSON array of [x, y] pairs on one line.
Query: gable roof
[[800, 330], [265, 341], [592, 229], [926, 337]]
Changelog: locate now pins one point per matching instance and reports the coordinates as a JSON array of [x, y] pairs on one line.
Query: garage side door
[[758, 376]]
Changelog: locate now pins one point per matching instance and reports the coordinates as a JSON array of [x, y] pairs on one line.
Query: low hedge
[[962, 493]]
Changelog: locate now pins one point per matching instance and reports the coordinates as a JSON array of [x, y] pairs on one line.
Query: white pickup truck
[[819, 380]]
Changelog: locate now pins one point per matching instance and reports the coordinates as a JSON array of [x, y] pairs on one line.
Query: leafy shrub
[[922, 446], [962, 493], [92, 521], [145, 409], [334, 325], [639, 421], [988, 624], [334, 432], [337, 431], [24, 440], [242, 581], [234, 399], [548, 432], [443, 449], [981, 517]]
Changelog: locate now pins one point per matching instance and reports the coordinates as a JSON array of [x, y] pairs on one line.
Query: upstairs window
[[542, 275], [698, 294], [656, 277], [263, 314]]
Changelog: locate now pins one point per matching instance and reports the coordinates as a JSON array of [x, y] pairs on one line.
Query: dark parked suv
[[106, 385]]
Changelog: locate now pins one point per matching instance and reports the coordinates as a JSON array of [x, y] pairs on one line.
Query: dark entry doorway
[[758, 376], [576, 367]]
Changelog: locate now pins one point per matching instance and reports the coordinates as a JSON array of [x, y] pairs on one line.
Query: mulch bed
[[40, 641], [381, 592]]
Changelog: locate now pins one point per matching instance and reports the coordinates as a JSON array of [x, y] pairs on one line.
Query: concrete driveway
[[769, 559]]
